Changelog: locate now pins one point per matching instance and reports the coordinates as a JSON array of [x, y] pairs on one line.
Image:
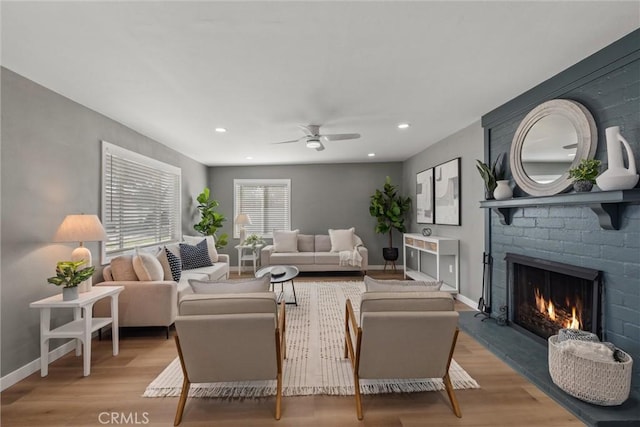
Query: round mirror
[[553, 138]]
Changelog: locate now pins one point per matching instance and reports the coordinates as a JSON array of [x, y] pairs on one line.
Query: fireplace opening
[[546, 296]]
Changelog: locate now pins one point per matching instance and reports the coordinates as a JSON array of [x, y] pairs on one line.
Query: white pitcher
[[617, 177]]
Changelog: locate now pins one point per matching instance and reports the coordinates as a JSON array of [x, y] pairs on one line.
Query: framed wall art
[[424, 197], [447, 192]]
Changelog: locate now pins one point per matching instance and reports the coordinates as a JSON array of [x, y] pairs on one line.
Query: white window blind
[[140, 201], [266, 201]]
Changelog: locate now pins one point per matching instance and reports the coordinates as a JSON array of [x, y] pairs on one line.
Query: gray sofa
[[314, 254]]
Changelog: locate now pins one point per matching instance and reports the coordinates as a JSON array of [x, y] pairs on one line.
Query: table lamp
[[241, 221], [81, 228]]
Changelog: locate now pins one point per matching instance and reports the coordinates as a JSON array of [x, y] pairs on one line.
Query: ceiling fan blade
[[341, 136], [287, 142], [320, 148], [570, 146], [310, 130]]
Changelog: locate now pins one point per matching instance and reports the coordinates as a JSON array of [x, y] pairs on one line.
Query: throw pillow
[[211, 245], [260, 284], [373, 285], [342, 240], [194, 256], [162, 257], [122, 268], [285, 241], [147, 267], [174, 265]]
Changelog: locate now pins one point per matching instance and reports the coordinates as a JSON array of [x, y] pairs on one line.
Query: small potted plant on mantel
[[69, 277], [491, 175], [584, 175]]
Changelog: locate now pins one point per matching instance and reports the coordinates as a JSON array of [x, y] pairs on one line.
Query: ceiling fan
[[313, 138]]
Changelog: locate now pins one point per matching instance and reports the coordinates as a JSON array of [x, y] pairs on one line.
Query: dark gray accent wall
[[50, 168], [608, 84], [468, 145], [322, 197]]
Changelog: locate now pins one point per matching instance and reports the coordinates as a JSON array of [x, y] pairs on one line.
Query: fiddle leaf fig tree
[[390, 209], [210, 220]]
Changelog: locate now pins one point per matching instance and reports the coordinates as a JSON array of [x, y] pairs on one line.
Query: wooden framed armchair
[[230, 337], [402, 335]]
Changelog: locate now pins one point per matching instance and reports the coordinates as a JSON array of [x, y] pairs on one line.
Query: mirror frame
[[587, 140]]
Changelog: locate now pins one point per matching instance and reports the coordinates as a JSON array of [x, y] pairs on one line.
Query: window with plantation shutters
[[266, 201], [140, 201]]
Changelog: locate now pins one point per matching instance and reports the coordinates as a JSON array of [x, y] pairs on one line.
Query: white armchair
[[402, 335]]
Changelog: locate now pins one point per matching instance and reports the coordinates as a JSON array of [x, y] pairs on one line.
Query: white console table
[[438, 247], [82, 325]]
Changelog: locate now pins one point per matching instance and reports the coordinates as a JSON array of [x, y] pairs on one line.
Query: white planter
[[69, 294], [502, 191]]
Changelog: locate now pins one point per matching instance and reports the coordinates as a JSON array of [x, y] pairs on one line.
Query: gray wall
[[50, 168], [322, 197], [468, 145], [608, 85]]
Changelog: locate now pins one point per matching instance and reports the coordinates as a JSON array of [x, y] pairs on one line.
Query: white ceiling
[[174, 71]]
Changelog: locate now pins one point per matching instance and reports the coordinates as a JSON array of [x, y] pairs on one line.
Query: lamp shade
[[80, 228], [243, 219]]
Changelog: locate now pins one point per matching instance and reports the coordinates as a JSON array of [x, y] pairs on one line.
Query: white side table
[[82, 325], [247, 253]]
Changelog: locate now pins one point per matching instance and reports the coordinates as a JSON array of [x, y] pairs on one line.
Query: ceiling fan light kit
[[313, 143]]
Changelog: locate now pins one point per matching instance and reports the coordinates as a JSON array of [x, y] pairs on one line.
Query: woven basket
[[600, 383]]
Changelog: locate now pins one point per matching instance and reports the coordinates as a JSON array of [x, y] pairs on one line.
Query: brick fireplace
[[608, 85]]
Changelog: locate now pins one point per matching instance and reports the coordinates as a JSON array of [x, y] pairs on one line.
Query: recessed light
[[221, 130], [249, 158], [371, 154], [403, 125]]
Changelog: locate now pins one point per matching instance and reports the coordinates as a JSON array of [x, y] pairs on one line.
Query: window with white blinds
[[140, 201], [266, 201]]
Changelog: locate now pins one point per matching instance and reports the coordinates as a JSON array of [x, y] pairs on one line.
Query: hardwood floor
[[111, 395]]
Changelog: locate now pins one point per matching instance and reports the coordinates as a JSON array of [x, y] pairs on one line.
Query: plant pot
[[69, 294], [390, 254], [582, 186]]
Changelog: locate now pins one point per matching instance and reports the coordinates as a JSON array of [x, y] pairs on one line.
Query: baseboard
[[32, 367], [466, 301]]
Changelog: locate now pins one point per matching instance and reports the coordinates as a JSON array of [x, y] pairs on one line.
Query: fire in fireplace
[[546, 296]]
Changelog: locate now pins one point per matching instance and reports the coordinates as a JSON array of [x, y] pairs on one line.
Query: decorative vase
[[390, 254], [503, 191], [69, 294], [617, 177], [582, 186]]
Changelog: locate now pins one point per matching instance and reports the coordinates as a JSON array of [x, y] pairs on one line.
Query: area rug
[[315, 362]]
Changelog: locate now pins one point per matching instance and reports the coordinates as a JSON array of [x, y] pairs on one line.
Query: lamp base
[[82, 253], [243, 235]]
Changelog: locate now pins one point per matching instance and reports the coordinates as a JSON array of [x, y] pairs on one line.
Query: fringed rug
[[315, 362]]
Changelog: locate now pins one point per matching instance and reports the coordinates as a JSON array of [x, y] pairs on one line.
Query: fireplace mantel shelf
[[607, 205]]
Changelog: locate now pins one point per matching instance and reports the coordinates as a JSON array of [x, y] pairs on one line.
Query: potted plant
[[253, 240], [210, 220], [389, 208], [491, 175], [584, 175], [69, 277]]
